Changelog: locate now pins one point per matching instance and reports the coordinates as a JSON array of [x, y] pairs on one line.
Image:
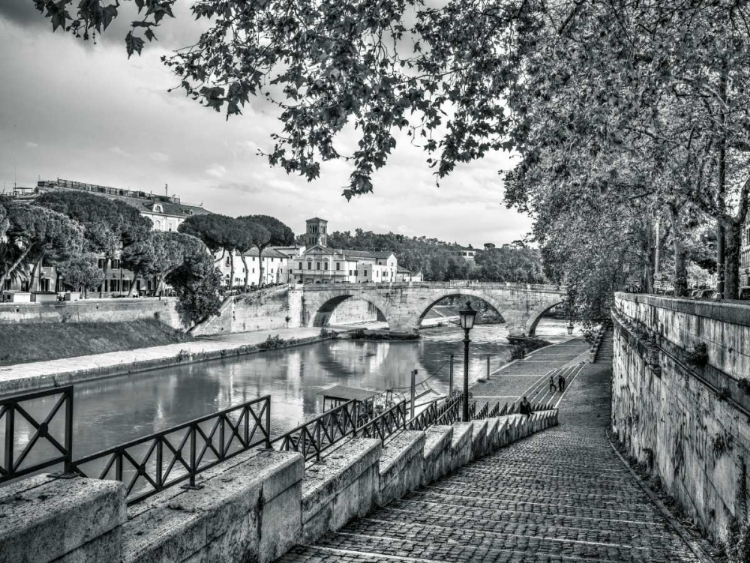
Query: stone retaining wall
[[253, 507], [680, 399], [92, 311]]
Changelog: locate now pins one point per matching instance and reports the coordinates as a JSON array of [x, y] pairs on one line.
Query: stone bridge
[[404, 305]]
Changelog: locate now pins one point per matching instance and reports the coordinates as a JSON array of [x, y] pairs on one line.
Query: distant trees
[[442, 261], [33, 234], [272, 233], [81, 273]]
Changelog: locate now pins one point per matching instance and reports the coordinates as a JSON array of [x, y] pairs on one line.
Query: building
[[275, 268], [404, 275], [468, 254], [316, 232]]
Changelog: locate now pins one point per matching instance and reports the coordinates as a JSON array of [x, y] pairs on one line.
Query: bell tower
[[317, 232]]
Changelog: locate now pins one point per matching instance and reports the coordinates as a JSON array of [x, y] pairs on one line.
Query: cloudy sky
[[83, 111]]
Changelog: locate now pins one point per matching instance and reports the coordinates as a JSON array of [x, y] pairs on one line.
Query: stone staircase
[[606, 348], [560, 495]]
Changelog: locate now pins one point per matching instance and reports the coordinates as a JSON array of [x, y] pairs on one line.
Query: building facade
[[745, 259]]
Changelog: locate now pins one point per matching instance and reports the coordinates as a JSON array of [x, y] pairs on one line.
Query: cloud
[[217, 171], [159, 156], [119, 152]]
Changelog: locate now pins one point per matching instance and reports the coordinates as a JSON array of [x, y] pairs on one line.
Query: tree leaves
[[133, 44]]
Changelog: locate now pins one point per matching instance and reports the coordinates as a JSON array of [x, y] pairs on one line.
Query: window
[[228, 261], [356, 272], [300, 265], [157, 225], [317, 265], [309, 265], [158, 208], [115, 264], [101, 263], [338, 265], [325, 265]]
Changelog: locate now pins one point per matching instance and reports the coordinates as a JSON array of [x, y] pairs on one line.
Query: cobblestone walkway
[[560, 495]]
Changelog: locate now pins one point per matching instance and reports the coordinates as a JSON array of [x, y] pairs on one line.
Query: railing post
[[68, 464], [488, 367], [193, 447], [450, 379], [268, 423], [413, 390], [356, 418], [9, 431], [159, 474]]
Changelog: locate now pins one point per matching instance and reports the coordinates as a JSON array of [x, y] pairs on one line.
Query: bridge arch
[[321, 314], [536, 316], [499, 307]]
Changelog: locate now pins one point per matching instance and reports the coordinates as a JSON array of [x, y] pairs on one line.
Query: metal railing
[[317, 435], [14, 410], [178, 454], [386, 424]]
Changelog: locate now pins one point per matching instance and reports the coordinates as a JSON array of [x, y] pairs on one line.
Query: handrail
[[10, 468], [385, 424], [317, 435], [205, 449]]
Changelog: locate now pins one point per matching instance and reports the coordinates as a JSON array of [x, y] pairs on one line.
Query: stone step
[[369, 535], [511, 482]]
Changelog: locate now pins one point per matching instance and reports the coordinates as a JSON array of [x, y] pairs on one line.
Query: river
[[115, 410]]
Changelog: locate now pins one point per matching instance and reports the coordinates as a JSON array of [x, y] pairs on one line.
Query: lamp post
[[467, 323]]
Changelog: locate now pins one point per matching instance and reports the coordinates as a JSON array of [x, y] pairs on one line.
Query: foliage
[[267, 231], [196, 282], [81, 272], [34, 234], [441, 261], [698, 355]]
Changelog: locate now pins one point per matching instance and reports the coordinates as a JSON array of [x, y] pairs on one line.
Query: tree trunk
[[14, 266], [231, 269], [720, 235], [260, 265], [105, 269], [132, 285], [247, 272], [733, 237], [37, 269], [680, 256]]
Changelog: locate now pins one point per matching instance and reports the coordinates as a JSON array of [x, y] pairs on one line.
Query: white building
[[275, 268]]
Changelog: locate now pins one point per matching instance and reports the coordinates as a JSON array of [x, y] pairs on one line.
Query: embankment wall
[[680, 400], [93, 310], [254, 507]]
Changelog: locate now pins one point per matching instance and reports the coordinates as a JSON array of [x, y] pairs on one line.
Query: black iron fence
[[164, 459], [386, 424], [315, 436], [32, 440]]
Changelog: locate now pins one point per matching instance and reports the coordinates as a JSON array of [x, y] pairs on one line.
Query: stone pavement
[[560, 495]]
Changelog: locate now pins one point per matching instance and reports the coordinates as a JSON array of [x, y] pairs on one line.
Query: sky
[[82, 111]]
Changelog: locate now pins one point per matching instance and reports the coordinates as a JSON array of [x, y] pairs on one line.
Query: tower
[[317, 232]]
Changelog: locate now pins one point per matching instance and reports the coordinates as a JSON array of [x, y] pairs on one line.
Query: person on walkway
[[561, 382], [552, 386], [525, 408]]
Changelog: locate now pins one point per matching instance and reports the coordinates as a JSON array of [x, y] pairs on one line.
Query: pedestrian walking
[[552, 386], [561, 382], [525, 408]]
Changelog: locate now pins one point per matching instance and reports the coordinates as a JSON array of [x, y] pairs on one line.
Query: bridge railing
[[469, 284]]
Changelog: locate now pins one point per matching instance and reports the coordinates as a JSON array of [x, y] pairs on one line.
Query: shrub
[[698, 355]]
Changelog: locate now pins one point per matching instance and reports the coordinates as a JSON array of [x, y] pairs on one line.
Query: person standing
[[561, 383], [525, 408], [552, 386]]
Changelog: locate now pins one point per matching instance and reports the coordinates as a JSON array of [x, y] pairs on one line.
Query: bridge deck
[[560, 495]]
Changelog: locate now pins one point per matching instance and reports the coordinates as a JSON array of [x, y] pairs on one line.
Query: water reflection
[[116, 410]]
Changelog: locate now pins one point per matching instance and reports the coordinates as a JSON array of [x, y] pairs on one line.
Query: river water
[[123, 408]]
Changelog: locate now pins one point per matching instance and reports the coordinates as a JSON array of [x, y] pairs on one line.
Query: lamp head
[[467, 316]]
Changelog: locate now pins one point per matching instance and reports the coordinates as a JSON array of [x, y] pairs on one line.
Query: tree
[[34, 234], [218, 233], [278, 235], [109, 226], [81, 273], [197, 282], [252, 235]]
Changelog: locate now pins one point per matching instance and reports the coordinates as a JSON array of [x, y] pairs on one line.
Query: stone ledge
[[401, 466], [43, 519], [725, 312]]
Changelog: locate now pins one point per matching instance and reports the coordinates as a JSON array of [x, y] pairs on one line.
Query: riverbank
[[34, 376]]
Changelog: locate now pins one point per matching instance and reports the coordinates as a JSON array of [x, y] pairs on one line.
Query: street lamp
[[467, 323]]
